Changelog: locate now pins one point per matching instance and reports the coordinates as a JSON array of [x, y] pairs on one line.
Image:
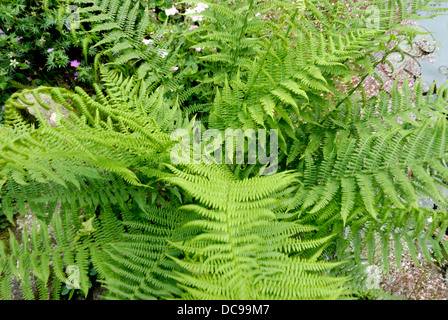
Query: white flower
[[196, 18], [171, 12], [147, 41], [13, 63], [162, 53], [201, 7], [198, 9], [258, 14], [190, 11]]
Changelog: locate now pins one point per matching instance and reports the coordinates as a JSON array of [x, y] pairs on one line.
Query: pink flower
[[174, 68], [74, 64], [49, 50], [193, 27], [198, 49]]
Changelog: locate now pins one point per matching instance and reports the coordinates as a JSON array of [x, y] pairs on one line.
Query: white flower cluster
[[198, 9], [147, 41], [172, 11]]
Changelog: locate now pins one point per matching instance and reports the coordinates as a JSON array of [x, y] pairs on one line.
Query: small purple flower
[[49, 50], [74, 64], [28, 78], [3, 107]]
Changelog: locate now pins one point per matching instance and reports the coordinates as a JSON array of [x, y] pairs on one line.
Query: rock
[[51, 114], [22, 222]]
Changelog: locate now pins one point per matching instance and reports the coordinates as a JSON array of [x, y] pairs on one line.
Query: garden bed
[[221, 150]]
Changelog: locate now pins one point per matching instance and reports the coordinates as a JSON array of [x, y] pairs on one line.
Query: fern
[[352, 168], [242, 235]]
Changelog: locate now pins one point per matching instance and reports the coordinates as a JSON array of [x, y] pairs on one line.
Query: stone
[[51, 114]]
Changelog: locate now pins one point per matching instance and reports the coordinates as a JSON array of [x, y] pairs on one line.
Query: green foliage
[[245, 241], [351, 170], [35, 45]]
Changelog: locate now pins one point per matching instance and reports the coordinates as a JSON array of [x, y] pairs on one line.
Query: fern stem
[[269, 48], [243, 28]]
